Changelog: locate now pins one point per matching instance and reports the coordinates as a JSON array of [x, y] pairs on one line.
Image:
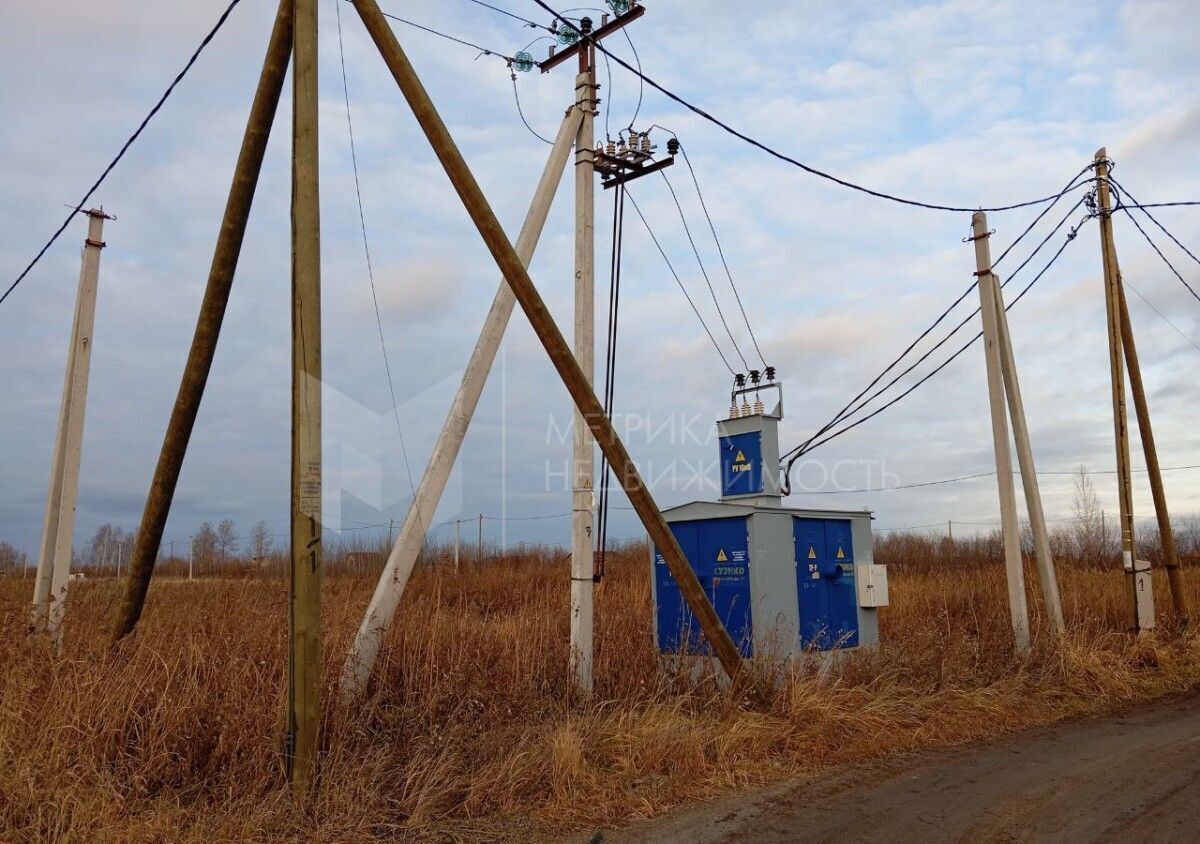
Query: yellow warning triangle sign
[[841, 555], [812, 553], [721, 558], [741, 458]]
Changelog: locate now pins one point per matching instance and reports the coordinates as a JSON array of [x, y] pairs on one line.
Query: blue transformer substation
[[784, 581]]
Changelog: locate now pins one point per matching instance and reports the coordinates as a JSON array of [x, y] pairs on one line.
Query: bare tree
[[227, 540], [204, 544], [1091, 530], [261, 541], [12, 561], [108, 545]]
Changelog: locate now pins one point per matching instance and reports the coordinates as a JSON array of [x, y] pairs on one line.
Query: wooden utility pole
[[304, 593], [1142, 409], [403, 557], [583, 563], [548, 333], [1018, 609], [1029, 478], [58, 530], [1140, 586], [208, 324]]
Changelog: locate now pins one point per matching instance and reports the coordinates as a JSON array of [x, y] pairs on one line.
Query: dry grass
[[470, 733]]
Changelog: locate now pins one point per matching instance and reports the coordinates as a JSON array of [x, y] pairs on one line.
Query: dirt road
[[1121, 780]]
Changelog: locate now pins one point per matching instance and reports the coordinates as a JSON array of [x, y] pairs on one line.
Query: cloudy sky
[[950, 102]]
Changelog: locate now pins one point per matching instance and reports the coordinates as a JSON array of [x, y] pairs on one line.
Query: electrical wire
[[829, 437], [695, 251], [610, 372], [78, 208], [483, 51], [517, 99], [977, 476], [1165, 204], [641, 82], [679, 282], [1165, 259], [1150, 305], [855, 405], [526, 21], [367, 251], [720, 251], [789, 159], [1122, 193], [1075, 183]]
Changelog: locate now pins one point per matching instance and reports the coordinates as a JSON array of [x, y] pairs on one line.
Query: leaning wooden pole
[[208, 325], [548, 332], [304, 582], [1140, 586], [1142, 409]]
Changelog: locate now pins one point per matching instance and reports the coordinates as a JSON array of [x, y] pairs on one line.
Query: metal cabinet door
[[741, 464], [839, 577], [675, 622], [812, 588], [724, 570]]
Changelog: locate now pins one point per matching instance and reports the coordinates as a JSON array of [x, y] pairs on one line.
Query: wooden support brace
[[547, 330]]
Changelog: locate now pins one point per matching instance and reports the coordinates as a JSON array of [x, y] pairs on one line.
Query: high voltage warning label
[[740, 463], [722, 557], [812, 552], [841, 555]]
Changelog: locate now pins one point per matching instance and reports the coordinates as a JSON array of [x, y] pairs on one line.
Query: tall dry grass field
[[471, 733]]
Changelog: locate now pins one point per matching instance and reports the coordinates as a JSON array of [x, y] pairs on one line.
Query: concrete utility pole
[[457, 542], [547, 331], [1138, 575], [1018, 609], [1029, 478], [58, 530], [403, 557], [583, 553], [304, 592], [208, 323], [583, 563], [479, 545]]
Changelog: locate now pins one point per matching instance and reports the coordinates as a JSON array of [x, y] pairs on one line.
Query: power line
[[1146, 205], [1075, 183], [720, 251], [1161, 316], [787, 158], [977, 476], [125, 147], [810, 447], [1153, 219], [688, 231], [855, 405], [1166, 260], [482, 50], [367, 251], [526, 21], [679, 282]]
